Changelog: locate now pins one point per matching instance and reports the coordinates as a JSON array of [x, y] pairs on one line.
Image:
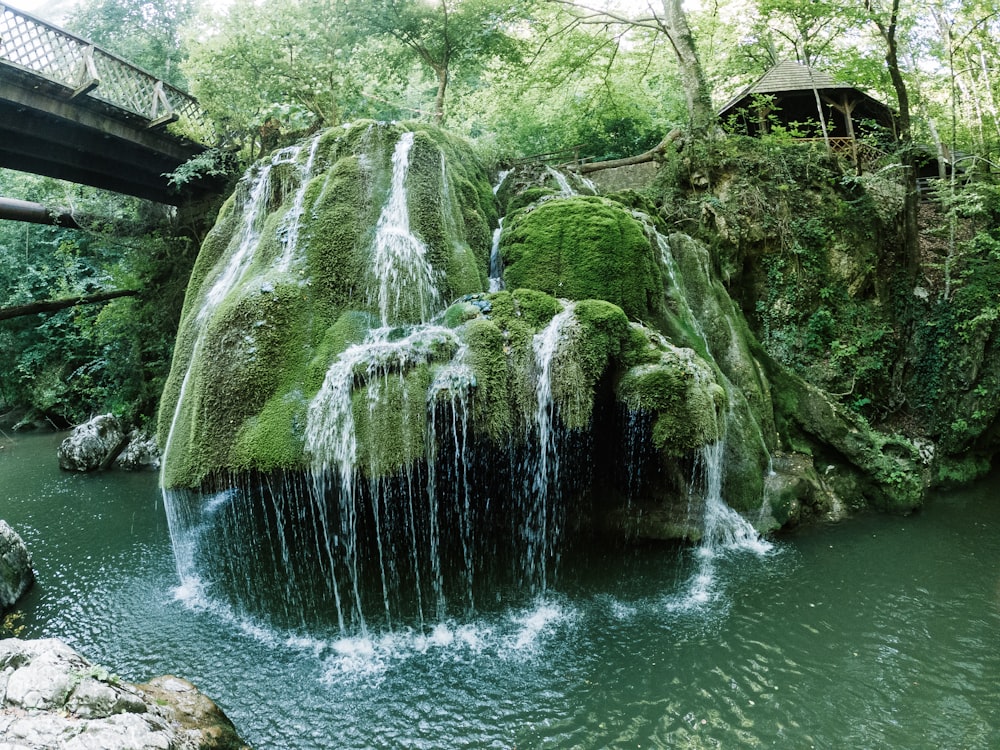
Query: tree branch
[[51, 305], [651, 155]]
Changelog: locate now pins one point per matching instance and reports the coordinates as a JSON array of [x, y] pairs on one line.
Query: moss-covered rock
[[687, 403], [583, 247], [284, 284], [892, 474]]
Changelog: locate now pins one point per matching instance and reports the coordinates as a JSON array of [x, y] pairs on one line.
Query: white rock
[[142, 452], [16, 574], [90, 443], [54, 698]]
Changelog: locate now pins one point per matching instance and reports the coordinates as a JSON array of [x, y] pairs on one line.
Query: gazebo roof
[[791, 77]]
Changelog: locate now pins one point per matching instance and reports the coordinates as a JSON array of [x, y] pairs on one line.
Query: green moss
[[272, 439], [958, 470], [890, 464], [460, 312], [339, 231], [391, 429], [685, 401], [495, 404], [350, 328], [583, 248], [527, 197], [605, 331], [248, 368]]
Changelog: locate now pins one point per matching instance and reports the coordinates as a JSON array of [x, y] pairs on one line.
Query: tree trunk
[[911, 245], [650, 155], [51, 305], [442, 76], [696, 91], [35, 213]]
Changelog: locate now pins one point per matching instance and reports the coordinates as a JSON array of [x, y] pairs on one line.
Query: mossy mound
[[680, 390], [583, 247], [284, 283]]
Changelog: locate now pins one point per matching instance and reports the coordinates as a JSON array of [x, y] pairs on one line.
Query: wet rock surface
[[91, 444], [16, 574], [54, 698]]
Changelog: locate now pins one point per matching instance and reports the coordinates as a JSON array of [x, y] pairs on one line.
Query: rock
[[16, 574], [55, 698], [90, 444], [141, 453]]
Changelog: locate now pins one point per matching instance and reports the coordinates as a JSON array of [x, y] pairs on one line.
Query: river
[[880, 632]]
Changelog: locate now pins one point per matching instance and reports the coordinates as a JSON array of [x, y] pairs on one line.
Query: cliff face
[[810, 251]]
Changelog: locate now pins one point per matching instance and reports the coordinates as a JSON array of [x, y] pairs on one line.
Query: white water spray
[[565, 189], [288, 233]]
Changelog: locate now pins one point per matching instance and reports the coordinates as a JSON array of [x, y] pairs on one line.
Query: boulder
[[141, 453], [54, 698], [91, 445], [16, 574]]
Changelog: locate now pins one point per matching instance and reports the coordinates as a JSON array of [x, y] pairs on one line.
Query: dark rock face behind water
[[54, 698], [16, 575]]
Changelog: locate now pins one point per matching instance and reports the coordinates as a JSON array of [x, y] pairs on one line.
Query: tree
[[445, 36], [699, 96], [145, 33], [673, 23], [888, 23], [295, 64]]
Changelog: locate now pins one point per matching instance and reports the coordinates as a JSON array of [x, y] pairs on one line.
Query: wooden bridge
[[71, 110]]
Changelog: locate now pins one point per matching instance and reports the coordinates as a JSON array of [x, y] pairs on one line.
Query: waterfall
[[504, 174], [565, 189], [400, 493], [254, 191], [288, 233], [496, 262], [402, 271], [723, 529], [542, 528]]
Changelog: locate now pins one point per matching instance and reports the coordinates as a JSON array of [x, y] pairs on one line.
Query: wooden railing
[[862, 154], [84, 69]]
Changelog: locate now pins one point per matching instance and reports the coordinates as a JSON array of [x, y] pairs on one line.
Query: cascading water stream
[[384, 542], [255, 189], [543, 519], [290, 226], [404, 277], [496, 262], [565, 189], [723, 529]]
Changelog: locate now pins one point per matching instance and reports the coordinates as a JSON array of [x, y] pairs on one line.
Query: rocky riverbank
[[52, 697]]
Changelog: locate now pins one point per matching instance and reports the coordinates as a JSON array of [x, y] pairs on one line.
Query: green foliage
[[955, 386], [79, 361], [145, 34], [12, 625]]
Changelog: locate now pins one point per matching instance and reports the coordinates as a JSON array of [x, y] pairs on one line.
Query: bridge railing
[[84, 69]]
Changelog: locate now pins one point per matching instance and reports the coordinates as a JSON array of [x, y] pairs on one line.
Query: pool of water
[[879, 632]]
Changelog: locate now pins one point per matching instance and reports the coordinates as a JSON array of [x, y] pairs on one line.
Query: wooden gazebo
[[810, 103]]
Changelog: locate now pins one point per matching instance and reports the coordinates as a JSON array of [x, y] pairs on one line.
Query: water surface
[[882, 632]]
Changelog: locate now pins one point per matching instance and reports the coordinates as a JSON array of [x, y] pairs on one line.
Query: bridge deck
[[71, 110]]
